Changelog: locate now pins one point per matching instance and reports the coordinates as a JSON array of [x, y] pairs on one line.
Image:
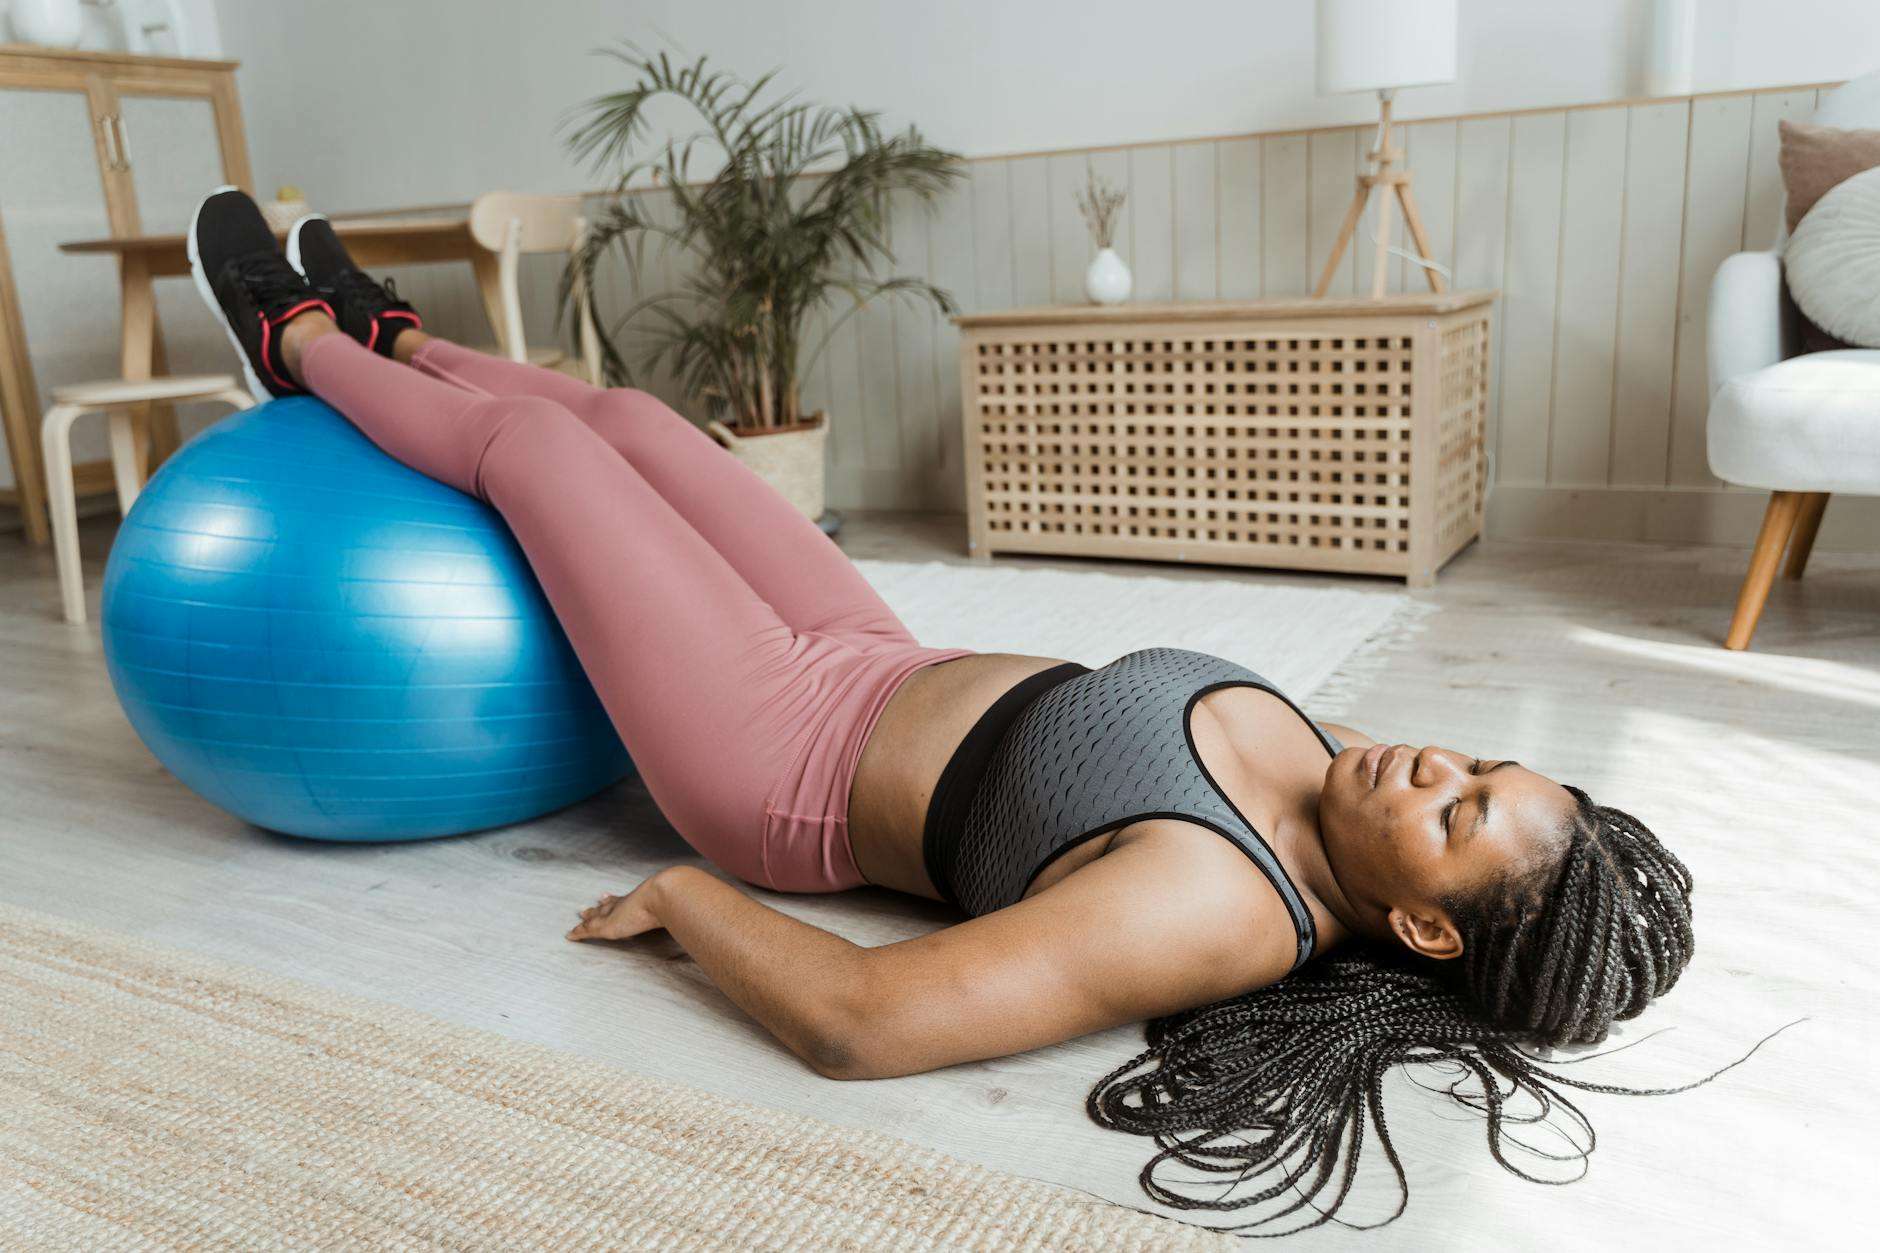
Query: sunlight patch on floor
[[1804, 676]]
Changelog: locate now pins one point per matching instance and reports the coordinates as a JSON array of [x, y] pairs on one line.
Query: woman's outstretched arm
[[1135, 934], [1155, 925], [799, 981]]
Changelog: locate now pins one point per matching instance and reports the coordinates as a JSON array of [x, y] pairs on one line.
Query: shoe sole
[[256, 387], [293, 241]]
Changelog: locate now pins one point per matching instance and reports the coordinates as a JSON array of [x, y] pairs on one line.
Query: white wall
[[205, 32], [1599, 225], [366, 103]]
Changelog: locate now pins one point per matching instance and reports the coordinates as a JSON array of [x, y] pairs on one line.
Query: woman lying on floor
[[1166, 837]]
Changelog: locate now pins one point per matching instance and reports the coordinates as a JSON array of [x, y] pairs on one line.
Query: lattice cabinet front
[[1328, 435]]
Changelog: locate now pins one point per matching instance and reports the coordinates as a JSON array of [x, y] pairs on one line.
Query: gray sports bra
[[1070, 753]]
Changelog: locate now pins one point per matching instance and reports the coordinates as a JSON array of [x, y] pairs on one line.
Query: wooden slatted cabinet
[[1342, 435]]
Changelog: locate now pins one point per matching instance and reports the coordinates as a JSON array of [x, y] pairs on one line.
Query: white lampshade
[[1372, 45]]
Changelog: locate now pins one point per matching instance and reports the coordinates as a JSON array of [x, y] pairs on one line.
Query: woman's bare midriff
[[910, 744]]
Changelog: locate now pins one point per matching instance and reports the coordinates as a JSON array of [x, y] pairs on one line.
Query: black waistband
[[959, 781]]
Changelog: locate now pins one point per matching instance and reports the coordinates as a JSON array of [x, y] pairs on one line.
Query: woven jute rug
[[155, 1098]]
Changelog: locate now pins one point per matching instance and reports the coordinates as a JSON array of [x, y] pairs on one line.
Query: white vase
[[48, 23], [288, 206], [1107, 281]]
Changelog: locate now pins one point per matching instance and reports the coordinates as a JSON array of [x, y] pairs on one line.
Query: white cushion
[[1854, 105], [1833, 261], [1808, 424]]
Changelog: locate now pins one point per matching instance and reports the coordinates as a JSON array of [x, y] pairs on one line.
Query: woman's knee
[[628, 418], [525, 435]]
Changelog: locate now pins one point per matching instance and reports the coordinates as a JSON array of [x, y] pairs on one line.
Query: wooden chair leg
[[1778, 524], [1807, 523], [55, 441], [127, 462], [127, 468]]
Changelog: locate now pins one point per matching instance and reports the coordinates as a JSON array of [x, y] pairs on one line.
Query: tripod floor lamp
[[1381, 45]]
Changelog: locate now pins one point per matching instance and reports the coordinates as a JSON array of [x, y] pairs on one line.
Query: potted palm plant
[[791, 223]]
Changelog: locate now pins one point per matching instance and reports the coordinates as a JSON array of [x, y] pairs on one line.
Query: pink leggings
[[741, 655]]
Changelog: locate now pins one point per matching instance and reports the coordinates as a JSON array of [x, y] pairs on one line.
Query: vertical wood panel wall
[[1601, 224]]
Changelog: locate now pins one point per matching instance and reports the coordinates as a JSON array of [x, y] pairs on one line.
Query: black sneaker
[[244, 279], [370, 312]]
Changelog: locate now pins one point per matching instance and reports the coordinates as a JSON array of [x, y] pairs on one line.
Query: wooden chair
[[116, 398], [514, 225]]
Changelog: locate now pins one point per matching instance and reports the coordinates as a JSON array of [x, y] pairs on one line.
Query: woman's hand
[[620, 917]]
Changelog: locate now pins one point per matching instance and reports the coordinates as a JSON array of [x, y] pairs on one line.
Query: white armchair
[[1801, 427]]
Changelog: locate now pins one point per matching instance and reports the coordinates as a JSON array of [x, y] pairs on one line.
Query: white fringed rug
[[155, 1098], [151, 1098], [1314, 643]]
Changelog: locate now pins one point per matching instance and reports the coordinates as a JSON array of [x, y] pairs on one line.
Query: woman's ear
[[1430, 935]]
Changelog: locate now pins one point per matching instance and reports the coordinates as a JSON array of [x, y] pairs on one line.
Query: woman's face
[[1405, 826]]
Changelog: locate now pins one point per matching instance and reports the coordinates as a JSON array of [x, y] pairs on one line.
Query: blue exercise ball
[[329, 644]]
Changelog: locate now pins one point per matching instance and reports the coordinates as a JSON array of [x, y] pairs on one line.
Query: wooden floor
[[1599, 665]]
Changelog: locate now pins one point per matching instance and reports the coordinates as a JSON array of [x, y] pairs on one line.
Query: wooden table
[[375, 241]]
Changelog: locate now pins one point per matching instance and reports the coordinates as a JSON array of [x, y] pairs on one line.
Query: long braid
[[1284, 1080]]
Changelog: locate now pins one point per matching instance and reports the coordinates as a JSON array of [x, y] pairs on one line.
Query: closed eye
[[1475, 767], [1484, 799]]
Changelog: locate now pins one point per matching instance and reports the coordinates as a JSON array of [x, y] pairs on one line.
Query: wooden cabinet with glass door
[[94, 144]]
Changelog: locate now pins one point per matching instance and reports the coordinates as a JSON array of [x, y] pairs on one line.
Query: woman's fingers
[[606, 919], [584, 921]]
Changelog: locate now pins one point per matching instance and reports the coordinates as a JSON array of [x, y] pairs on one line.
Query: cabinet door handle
[[111, 159], [123, 145]]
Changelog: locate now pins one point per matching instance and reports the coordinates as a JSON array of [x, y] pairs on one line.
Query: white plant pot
[[1107, 281], [48, 23], [790, 459]]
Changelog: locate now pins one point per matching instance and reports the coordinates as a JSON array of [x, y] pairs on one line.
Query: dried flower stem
[[1099, 202]]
